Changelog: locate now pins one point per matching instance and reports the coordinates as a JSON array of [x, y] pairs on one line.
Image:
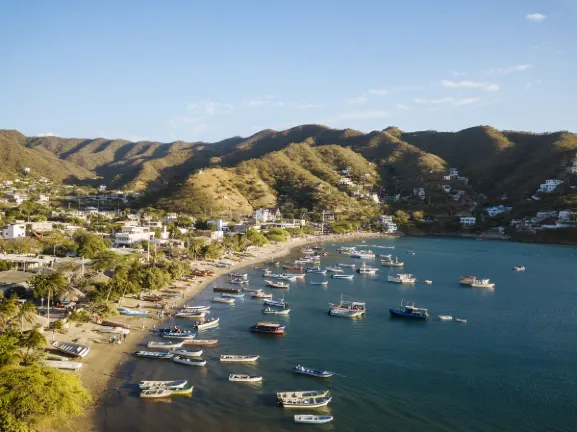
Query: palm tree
[[8, 309], [26, 313], [49, 285]]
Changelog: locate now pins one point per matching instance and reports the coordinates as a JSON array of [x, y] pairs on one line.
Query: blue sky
[[207, 70]]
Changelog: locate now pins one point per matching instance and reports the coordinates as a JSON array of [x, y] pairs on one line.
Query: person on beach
[[124, 336], [142, 327]]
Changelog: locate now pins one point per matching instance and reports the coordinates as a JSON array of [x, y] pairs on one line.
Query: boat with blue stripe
[[410, 312]]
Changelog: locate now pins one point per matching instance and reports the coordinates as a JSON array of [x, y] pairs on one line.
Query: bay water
[[511, 367]]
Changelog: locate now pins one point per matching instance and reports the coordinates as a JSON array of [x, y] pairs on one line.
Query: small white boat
[[342, 276], [178, 335], [223, 300], [461, 320], [273, 284], [392, 263], [189, 361], [155, 344], [244, 378], [348, 265], [231, 295], [76, 350], [238, 358], [145, 385], [240, 281], [193, 315], [152, 394], [482, 283], [313, 419], [519, 268], [402, 278], [64, 365], [153, 355], [428, 282], [201, 342], [118, 330], [213, 322], [239, 275], [306, 403], [365, 269], [185, 353], [345, 313], [320, 283], [445, 317], [261, 295], [195, 308], [334, 269], [363, 254], [272, 311], [306, 394]]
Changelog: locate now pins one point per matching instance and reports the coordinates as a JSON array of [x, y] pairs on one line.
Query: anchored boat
[[402, 278], [211, 322], [153, 355], [145, 385], [390, 263], [320, 283], [306, 403], [238, 358], [224, 300], [365, 269], [272, 311], [229, 290], [273, 284], [342, 276], [189, 361], [150, 394], [232, 296], [154, 344], [313, 419], [482, 283], [268, 328], [345, 313], [307, 394], [244, 378], [409, 311], [349, 306], [185, 353], [312, 372]]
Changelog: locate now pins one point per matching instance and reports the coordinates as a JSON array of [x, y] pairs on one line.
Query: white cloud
[[509, 69], [407, 88], [378, 92], [470, 84], [263, 101], [306, 105], [357, 100], [535, 17], [46, 134], [447, 100], [197, 118], [491, 88], [364, 115], [458, 74], [403, 107]]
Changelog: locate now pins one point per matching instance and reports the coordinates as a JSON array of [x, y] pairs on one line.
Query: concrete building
[[468, 221], [130, 235], [219, 224], [41, 226], [549, 185], [495, 210], [267, 215], [13, 231]]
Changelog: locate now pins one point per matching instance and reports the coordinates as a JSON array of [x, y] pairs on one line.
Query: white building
[[453, 172], [390, 228], [468, 221], [345, 181], [266, 215], [446, 177], [43, 199], [573, 168], [495, 210], [41, 226], [130, 235], [420, 192], [385, 219], [550, 185], [219, 224], [102, 188], [13, 231], [375, 198]]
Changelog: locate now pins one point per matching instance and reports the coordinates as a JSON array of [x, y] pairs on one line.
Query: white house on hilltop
[[468, 221], [13, 231], [130, 235], [495, 210], [266, 215], [550, 185]]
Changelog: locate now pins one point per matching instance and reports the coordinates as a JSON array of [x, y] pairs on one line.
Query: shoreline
[[104, 360]]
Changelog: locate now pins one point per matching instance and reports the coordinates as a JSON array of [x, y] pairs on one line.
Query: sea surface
[[511, 367]]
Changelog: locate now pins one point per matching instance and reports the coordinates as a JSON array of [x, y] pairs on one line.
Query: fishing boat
[[307, 394], [272, 311], [482, 283], [116, 324], [73, 349], [307, 251], [275, 263], [519, 268], [292, 267], [266, 273], [182, 391], [306, 403], [153, 355], [185, 353], [345, 313], [201, 342], [241, 281], [461, 320], [261, 295], [223, 300], [151, 394], [313, 419], [428, 282], [212, 322], [229, 290], [232, 296], [145, 385], [346, 249], [365, 269], [273, 284], [117, 330], [130, 312], [467, 280], [363, 254], [303, 261], [343, 276], [251, 290], [189, 361], [316, 270], [347, 265], [287, 277], [349, 305], [238, 358], [62, 365], [410, 252], [239, 275], [195, 308], [445, 317], [178, 335], [155, 344], [402, 278], [320, 283], [244, 378], [296, 275], [334, 269], [312, 372], [392, 263], [409, 311], [268, 328], [277, 303], [194, 315]]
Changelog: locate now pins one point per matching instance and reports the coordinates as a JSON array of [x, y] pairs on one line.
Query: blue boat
[[312, 372], [130, 312], [410, 312]]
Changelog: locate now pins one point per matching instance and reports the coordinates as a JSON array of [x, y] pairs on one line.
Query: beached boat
[[211, 322], [334, 269], [116, 324], [402, 278], [117, 330], [273, 284], [228, 358], [312, 372], [392, 263], [153, 355], [193, 315], [306, 403], [226, 300], [307, 394], [410, 312], [195, 308], [63, 365], [185, 353], [244, 378], [182, 391], [349, 305], [445, 317], [261, 295], [365, 269], [519, 268], [268, 328], [130, 312], [345, 313], [312, 419], [320, 283], [238, 281], [178, 335], [277, 303], [189, 361], [272, 311], [229, 290], [342, 276], [482, 283], [201, 342], [153, 394], [73, 349], [169, 345], [233, 296], [145, 385]]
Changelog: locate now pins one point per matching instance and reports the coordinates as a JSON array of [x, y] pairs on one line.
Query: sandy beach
[[104, 358]]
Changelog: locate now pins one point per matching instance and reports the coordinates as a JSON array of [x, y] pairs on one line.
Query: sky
[[208, 70]]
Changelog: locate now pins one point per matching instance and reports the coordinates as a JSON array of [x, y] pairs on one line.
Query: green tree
[[90, 245], [48, 285], [256, 238], [212, 251], [33, 342], [8, 310], [401, 217], [195, 247], [9, 349], [26, 313], [183, 222], [35, 397], [4, 265]]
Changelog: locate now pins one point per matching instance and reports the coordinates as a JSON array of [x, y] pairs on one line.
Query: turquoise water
[[511, 367]]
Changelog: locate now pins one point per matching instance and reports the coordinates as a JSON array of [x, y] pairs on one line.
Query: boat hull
[[401, 314]]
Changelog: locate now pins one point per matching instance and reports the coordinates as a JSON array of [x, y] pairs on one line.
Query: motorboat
[[229, 290], [73, 349], [467, 280], [153, 355], [288, 277], [251, 290], [445, 317], [244, 378], [316, 270], [307, 394], [364, 269], [164, 345], [320, 283], [342, 276], [482, 283], [392, 263], [312, 419], [221, 299], [291, 275], [211, 322], [261, 295], [185, 353], [312, 372], [268, 328], [334, 269], [201, 342], [151, 394], [238, 275], [347, 265], [233, 296], [189, 361], [238, 358], [519, 268], [345, 313], [277, 303], [428, 282], [410, 312], [306, 403], [461, 320], [193, 315], [402, 278], [272, 311], [273, 284], [363, 254], [145, 385], [239, 281], [349, 305], [195, 308]]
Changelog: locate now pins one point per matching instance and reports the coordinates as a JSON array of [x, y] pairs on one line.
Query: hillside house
[[42, 199], [567, 216], [219, 224], [26, 170], [213, 235], [468, 220], [345, 181], [573, 168], [267, 215], [102, 188], [13, 231], [170, 217], [446, 177], [419, 192], [41, 226], [130, 235], [446, 188], [384, 219], [495, 210], [549, 185], [375, 198], [7, 183]]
